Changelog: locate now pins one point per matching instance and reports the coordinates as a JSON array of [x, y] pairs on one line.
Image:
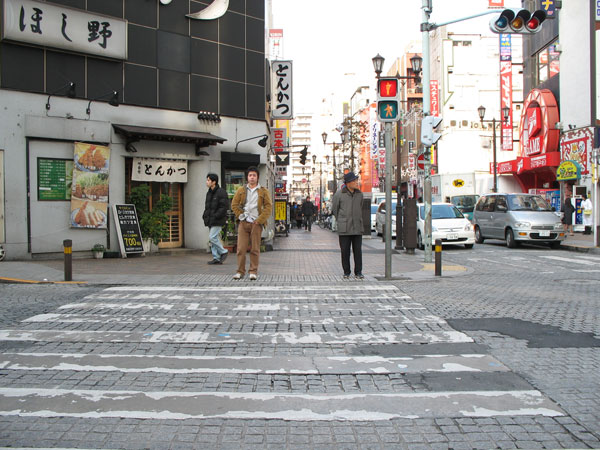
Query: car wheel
[[555, 245], [478, 236], [468, 246], [420, 245], [510, 239]]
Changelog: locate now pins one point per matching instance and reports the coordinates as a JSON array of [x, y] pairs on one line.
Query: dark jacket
[[347, 209], [215, 207], [308, 209], [568, 209]]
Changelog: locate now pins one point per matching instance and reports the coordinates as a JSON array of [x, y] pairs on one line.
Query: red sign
[[577, 145], [388, 87], [434, 89], [506, 93], [421, 161], [278, 139], [496, 3], [541, 123]]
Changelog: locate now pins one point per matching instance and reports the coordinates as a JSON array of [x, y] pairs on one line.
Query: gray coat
[[347, 209]]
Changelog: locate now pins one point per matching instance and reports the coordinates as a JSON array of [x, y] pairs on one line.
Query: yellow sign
[[280, 210], [568, 170], [458, 183]]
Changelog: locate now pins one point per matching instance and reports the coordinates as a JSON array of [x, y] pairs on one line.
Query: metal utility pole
[[426, 111], [388, 201]]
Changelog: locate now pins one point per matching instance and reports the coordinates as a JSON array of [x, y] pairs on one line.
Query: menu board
[[55, 178], [128, 229]]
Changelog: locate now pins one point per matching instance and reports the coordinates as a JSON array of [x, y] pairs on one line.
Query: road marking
[[381, 337], [237, 288], [332, 365], [37, 402], [570, 260]]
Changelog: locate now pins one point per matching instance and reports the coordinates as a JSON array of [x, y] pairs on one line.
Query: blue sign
[[549, 6], [505, 48]]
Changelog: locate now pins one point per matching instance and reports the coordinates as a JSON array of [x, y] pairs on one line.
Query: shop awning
[[133, 133], [531, 171]]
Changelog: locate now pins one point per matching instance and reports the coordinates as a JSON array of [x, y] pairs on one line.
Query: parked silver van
[[517, 218]]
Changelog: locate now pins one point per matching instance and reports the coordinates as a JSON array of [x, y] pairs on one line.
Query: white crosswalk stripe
[[302, 335]]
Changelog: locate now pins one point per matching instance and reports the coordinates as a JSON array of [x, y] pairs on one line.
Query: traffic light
[[428, 136], [388, 100], [518, 21], [303, 154]]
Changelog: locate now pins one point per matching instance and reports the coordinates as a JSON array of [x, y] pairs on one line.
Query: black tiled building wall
[[173, 62]]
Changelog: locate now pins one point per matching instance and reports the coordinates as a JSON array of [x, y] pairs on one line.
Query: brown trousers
[[248, 233]]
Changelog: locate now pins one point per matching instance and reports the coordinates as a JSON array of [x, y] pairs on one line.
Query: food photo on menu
[[91, 158], [88, 214], [91, 186]]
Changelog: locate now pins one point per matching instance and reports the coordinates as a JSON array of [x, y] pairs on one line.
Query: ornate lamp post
[[505, 113]]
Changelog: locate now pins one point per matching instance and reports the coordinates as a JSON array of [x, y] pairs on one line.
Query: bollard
[[438, 257], [68, 249]]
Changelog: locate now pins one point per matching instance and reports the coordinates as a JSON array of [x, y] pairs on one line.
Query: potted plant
[[229, 233], [154, 223], [98, 251]]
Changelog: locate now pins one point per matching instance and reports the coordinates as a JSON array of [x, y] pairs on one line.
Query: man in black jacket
[[215, 216], [308, 210]]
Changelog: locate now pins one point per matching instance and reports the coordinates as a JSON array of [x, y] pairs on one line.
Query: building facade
[[191, 98]]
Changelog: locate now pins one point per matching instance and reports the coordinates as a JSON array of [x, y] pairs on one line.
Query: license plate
[[544, 233], [452, 236]]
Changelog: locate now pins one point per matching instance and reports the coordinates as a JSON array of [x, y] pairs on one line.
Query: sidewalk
[[300, 257]]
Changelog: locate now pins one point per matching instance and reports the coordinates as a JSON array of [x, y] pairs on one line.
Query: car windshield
[[442, 212], [527, 203]]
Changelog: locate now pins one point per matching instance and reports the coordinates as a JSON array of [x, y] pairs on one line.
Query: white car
[[373, 217], [447, 224], [380, 219]]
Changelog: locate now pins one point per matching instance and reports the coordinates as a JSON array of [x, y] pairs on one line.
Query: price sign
[[55, 177], [128, 229]]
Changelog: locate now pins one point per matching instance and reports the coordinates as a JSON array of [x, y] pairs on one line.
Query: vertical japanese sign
[[275, 43], [434, 87], [282, 102], [374, 144], [506, 90], [550, 7], [50, 25], [279, 139], [89, 191]]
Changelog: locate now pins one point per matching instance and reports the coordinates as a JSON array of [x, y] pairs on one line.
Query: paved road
[[506, 355]]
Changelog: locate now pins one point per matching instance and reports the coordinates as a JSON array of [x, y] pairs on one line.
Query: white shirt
[[250, 213]]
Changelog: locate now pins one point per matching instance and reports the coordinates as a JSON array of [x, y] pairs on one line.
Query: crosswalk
[[539, 261], [296, 353]]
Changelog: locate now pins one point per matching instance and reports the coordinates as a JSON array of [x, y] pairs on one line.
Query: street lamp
[[378, 64], [505, 113]]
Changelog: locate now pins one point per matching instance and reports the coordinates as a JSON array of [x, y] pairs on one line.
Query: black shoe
[[214, 261], [346, 276], [359, 276], [223, 257]]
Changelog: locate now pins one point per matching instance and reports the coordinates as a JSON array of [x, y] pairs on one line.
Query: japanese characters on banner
[[550, 7], [375, 136], [159, 170], [50, 25], [506, 90], [577, 145], [89, 191], [282, 98], [275, 43], [434, 87]]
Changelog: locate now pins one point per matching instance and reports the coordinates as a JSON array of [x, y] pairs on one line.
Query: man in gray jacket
[[347, 209]]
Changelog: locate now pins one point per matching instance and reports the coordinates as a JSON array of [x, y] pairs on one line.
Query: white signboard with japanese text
[[161, 170], [282, 101], [51, 25]]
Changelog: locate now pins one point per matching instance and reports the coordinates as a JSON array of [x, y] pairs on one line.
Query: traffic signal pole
[[388, 201], [427, 7]]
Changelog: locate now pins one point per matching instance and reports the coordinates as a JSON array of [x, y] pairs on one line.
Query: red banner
[[496, 4], [435, 97], [506, 93]]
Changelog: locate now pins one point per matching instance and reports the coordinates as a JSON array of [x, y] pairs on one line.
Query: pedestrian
[[568, 209], [298, 216], [586, 205], [346, 206], [308, 210], [215, 216], [252, 207]]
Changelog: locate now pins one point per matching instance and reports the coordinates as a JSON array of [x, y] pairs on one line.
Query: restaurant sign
[[568, 170], [57, 26]]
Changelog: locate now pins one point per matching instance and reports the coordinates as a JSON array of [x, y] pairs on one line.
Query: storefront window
[[233, 180], [548, 62]]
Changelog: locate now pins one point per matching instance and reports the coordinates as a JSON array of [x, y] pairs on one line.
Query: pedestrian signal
[[388, 100], [518, 21]]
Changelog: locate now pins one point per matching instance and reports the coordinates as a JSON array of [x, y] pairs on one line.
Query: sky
[[332, 42]]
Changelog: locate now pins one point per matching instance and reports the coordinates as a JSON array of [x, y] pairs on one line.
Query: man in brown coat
[[252, 207]]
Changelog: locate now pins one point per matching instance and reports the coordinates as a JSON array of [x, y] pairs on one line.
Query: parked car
[[447, 224], [517, 218], [380, 219], [373, 217]]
